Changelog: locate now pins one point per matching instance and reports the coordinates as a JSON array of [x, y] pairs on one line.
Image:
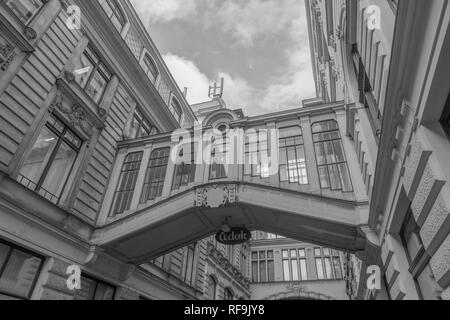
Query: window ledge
[[72, 90], [10, 26]]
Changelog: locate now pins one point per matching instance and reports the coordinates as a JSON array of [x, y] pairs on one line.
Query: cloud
[[165, 10]]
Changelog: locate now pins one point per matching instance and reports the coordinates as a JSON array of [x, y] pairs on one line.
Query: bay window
[[127, 183], [292, 158], [156, 174], [328, 264], [50, 162], [92, 74], [331, 161], [263, 268], [256, 147], [19, 270], [25, 10], [294, 265]]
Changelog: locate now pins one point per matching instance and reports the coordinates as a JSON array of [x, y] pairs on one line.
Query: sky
[[260, 48]]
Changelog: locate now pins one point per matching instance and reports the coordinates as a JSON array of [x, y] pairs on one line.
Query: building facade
[[105, 167], [384, 60]]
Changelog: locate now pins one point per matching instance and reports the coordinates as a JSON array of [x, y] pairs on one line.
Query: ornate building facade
[[91, 121]]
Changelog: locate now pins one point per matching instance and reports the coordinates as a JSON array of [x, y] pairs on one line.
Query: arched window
[[212, 285], [114, 12], [150, 68], [228, 295], [175, 109], [331, 162], [292, 156]]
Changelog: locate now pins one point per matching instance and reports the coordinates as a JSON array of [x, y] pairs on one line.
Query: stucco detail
[[54, 287], [440, 264], [426, 191], [437, 223]]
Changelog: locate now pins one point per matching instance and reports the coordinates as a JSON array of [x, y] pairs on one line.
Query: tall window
[[294, 265], [415, 252], [141, 126], [25, 10], [227, 295], [328, 264], [150, 68], [51, 160], [263, 269], [114, 12], [19, 270], [92, 289], [212, 286], [184, 172], [156, 174], [92, 74], [292, 156], [331, 162], [219, 150], [127, 183], [175, 109], [188, 271], [255, 147]]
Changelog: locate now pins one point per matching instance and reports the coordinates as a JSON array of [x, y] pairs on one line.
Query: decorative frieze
[[216, 196]]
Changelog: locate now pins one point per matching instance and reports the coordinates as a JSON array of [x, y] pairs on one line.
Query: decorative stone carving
[[216, 196], [7, 55], [75, 114], [69, 76], [29, 33]]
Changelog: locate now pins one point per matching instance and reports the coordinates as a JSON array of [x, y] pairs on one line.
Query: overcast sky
[[260, 47]]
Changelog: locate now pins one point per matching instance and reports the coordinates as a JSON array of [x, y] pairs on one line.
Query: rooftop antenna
[[185, 91], [216, 91]]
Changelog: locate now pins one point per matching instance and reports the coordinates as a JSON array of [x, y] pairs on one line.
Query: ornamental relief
[[7, 54], [75, 114], [216, 196]]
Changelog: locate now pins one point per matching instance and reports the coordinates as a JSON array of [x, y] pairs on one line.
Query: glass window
[[228, 295], [51, 160], [114, 12], [292, 156], [219, 150], [25, 10], [286, 272], [256, 154], [150, 68], [92, 289], [19, 270], [337, 267], [319, 269], [188, 270], [263, 269], [331, 162], [328, 268], [175, 109], [141, 126], [212, 288], [184, 173], [92, 74], [127, 183], [303, 270], [156, 174]]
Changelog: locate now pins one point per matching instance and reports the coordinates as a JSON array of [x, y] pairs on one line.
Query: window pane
[[87, 289], [39, 156], [104, 292], [326, 251], [304, 272], [269, 254], [262, 271], [328, 268], [320, 153], [294, 265], [323, 175], [285, 254], [255, 271], [271, 270], [345, 178], [286, 274], [4, 251], [319, 268], [301, 253], [24, 9], [96, 87], [19, 275], [317, 252], [338, 151], [84, 69], [337, 268], [294, 253], [60, 169], [335, 178]]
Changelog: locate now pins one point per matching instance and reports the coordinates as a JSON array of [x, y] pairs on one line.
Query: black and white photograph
[[221, 155]]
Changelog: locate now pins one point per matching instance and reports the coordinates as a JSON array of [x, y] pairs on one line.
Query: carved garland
[[75, 114]]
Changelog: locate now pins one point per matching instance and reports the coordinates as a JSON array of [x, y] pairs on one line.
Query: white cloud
[[165, 10], [187, 74]]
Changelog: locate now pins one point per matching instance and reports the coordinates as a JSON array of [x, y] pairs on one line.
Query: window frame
[[97, 282], [32, 18], [224, 150], [266, 261], [253, 149], [212, 281], [445, 118], [132, 190], [115, 8], [141, 128], [148, 183], [179, 173], [13, 247], [326, 165], [61, 139], [287, 165], [148, 57], [177, 110], [92, 54]]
